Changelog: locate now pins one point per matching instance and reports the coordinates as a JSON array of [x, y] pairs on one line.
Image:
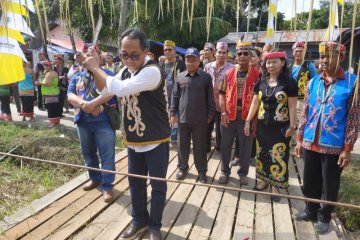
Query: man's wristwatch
[[223, 114], [293, 127]]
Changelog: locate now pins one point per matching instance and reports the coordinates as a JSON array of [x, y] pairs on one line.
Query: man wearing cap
[[39, 75], [170, 68], [217, 70], [193, 97], [301, 71], [236, 93], [327, 132], [146, 124], [209, 53]]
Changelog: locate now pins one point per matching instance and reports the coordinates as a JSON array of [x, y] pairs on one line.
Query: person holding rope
[[275, 104], [146, 124], [327, 132]]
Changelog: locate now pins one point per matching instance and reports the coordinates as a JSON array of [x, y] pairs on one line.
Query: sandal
[[261, 186], [275, 198]]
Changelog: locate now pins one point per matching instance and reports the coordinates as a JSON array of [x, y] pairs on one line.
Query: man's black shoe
[[132, 231], [223, 179], [181, 175], [154, 234], [202, 178], [304, 216], [321, 227]]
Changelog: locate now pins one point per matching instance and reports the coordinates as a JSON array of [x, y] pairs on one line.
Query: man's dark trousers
[[321, 181], [155, 163], [196, 132]]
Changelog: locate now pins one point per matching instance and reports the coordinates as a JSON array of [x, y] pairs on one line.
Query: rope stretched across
[[338, 204]]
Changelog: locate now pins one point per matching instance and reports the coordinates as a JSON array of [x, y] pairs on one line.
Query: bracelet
[[223, 114], [293, 127]]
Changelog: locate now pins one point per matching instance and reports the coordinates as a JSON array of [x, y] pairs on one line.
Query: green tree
[[321, 17]]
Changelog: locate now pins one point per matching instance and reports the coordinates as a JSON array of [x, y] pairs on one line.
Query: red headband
[[273, 55]]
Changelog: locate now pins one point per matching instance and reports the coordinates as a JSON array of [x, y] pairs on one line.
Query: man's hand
[[289, 132], [173, 120], [247, 128], [91, 59], [225, 120], [96, 112], [88, 107], [344, 159], [297, 149]]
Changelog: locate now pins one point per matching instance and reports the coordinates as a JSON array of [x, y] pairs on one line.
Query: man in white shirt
[[146, 125]]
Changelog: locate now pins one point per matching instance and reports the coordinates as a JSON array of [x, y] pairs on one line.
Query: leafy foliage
[[223, 20], [321, 17]]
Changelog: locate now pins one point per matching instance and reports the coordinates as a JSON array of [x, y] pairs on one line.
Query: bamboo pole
[[308, 27]]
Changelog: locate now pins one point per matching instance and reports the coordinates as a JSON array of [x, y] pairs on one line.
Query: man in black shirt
[[193, 97]]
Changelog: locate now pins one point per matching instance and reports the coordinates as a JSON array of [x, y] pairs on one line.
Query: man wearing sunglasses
[[146, 125], [236, 92], [170, 68]]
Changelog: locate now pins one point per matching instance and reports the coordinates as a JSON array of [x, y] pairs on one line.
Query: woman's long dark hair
[[284, 74]]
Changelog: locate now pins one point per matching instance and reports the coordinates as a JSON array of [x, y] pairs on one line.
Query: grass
[[350, 193], [23, 181]]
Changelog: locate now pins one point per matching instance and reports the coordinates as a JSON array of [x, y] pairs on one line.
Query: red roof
[[59, 37]]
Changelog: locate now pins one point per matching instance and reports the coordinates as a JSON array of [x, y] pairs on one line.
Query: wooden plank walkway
[[191, 212]]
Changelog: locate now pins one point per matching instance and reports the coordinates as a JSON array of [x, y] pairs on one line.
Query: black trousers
[[15, 93], [39, 97], [27, 104], [321, 181], [217, 122], [5, 104], [196, 132], [62, 99]]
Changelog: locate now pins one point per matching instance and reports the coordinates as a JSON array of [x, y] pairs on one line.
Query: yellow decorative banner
[[16, 8], [11, 33], [13, 70], [272, 9]]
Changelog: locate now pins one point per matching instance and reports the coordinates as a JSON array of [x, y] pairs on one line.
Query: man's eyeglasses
[[133, 56], [168, 49], [245, 54]]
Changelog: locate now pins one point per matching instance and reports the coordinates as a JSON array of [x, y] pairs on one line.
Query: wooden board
[[244, 225], [111, 214], [177, 201], [203, 224], [225, 217], [184, 222], [32, 222], [282, 220], [304, 230], [72, 210], [123, 218], [45, 201], [263, 218]]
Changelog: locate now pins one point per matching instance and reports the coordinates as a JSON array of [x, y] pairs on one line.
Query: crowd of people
[[257, 101]]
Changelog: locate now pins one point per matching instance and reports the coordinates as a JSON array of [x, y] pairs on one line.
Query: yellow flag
[[16, 8], [11, 33], [272, 9], [11, 74]]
